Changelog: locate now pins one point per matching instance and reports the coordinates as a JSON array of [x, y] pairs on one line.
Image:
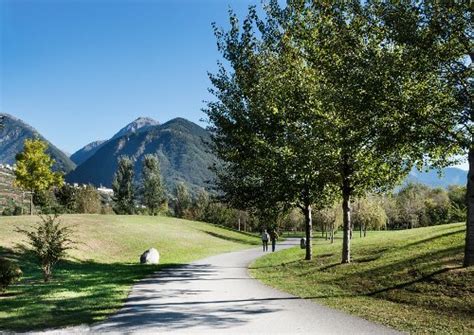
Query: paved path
[[216, 295]]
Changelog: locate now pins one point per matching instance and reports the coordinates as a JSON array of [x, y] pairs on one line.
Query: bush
[[49, 240], [9, 273], [12, 209], [87, 200]]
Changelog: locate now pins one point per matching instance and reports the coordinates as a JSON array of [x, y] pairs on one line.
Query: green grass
[[97, 276], [410, 280]]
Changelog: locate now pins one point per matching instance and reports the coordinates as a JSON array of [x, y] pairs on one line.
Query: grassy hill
[[410, 280], [96, 278]]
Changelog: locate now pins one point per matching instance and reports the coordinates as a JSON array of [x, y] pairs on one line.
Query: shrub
[[9, 273], [87, 200], [49, 240], [12, 209]]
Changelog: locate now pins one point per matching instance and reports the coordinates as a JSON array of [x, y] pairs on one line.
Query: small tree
[[87, 200], [9, 273], [200, 204], [49, 241], [152, 186], [33, 171], [122, 185], [66, 197], [368, 213], [183, 200]]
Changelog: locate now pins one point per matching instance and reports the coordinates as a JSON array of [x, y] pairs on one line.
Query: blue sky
[[79, 70]]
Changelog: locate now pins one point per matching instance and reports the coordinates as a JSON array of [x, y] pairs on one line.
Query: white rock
[[151, 256]]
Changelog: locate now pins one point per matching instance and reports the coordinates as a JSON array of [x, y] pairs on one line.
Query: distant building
[[105, 190]]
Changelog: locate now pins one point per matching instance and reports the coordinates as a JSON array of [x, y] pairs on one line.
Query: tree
[[326, 219], [411, 201], [87, 200], [457, 197], [358, 86], [9, 273], [152, 186], [264, 125], [183, 201], [437, 39], [33, 170], [50, 240], [368, 214], [66, 197], [200, 204], [122, 185]]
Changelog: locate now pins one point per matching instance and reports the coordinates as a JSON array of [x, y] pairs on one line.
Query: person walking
[[265, 238], [273, 238]]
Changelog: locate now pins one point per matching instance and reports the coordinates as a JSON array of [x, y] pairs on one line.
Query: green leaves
[[33, 168], [153, 193], [124, 190]]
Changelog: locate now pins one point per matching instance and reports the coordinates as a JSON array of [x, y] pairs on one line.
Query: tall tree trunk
[[365, 230], [346, 220], [309, 231], [469, 247], [31, 203], [360, 230]]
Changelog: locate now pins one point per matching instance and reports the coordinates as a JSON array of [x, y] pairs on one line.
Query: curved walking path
[[216, 295]]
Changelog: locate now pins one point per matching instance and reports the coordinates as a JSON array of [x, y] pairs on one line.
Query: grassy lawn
[[410, 280], [96, 278]]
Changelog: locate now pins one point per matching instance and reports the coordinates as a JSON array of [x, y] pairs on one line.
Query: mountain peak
[[139, 124]]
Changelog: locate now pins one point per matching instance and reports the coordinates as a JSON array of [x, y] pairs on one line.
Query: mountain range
[[12, 137], [181, 146], [140, 124]]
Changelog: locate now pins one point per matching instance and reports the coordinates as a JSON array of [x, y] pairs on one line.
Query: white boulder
[[151, 256]]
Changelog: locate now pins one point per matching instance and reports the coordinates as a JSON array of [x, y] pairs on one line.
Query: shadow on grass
[[433, 238], [231, 239], [80, 292]]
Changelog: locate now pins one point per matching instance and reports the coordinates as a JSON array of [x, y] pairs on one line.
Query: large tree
[[122, 185], [313, 102], [265, 127], [33, 170], [153, 193], [437, 37]]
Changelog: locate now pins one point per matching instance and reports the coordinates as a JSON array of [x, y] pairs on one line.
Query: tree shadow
[[80, 292], [231, 239], [432, 238]]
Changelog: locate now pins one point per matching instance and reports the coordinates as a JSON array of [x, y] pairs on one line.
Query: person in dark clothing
[[273, 238], [265, 238]]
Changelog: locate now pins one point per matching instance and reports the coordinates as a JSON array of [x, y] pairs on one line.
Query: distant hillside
[[450, 176], [138, 125], [9, 194], [179, 144], [12, 138], [83, 154]]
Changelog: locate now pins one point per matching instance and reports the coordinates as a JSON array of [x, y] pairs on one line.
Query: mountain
[[140, 124], [179, 144], [12, 138], [83, 154], [449, 176]]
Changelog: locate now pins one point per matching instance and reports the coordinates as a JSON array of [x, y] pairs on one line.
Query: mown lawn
[[410, 280], [96, 278]]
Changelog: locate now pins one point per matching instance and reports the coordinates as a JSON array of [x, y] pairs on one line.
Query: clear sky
[[79, 70]]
